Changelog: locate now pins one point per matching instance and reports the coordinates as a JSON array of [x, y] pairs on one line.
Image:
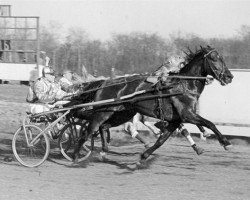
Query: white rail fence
[[228, 106]]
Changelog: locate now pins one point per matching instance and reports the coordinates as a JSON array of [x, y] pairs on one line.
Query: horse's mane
[[199, 52], [191, 56], [166, 69]]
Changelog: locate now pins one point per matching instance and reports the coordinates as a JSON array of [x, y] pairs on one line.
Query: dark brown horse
[[175, 109]]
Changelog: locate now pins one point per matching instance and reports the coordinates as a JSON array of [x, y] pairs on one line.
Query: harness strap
[[160, 101]]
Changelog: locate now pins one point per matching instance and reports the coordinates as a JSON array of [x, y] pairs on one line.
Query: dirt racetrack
[[174, 172]]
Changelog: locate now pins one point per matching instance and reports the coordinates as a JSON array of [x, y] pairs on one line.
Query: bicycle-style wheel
[[68, 139], [28, 153]]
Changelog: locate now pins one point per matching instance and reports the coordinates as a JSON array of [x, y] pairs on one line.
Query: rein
[[113, 102], [171, 76], [115, 84], [191, 77]]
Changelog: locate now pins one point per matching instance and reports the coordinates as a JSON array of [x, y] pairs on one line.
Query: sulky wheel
[[68, 139], [30, 146]]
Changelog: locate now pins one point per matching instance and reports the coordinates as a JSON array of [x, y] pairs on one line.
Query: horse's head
[[216, 67]]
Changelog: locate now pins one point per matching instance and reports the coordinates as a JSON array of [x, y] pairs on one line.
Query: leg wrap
[[153, 128], [186, 134], [130, 128], [190, 139], [133, 132]]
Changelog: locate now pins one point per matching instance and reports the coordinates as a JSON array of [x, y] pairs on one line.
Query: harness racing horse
[[177, 105]]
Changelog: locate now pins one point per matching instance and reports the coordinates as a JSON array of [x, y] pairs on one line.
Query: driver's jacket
[[48, 92]]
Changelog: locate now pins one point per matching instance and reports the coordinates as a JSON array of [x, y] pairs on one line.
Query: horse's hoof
[[74, 164], [198, 149], [226, 144], [147, 146], [138, 164], [144, 156], [75, 159], [103, 156], [206, 134], [228, 147], [203, 138], [141, 164]]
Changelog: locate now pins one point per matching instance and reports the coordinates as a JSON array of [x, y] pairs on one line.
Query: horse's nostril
[[229, 79]]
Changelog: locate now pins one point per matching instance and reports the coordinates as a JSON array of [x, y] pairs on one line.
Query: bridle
[[218, 75]]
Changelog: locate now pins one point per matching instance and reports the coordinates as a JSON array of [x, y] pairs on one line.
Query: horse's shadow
[[133, 166], [124, 153], [7, 157], [128, 166]]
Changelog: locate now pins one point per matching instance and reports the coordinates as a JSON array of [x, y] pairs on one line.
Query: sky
[[101, 19]]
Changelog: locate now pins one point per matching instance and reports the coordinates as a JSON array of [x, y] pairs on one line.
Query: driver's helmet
[[48, 70]]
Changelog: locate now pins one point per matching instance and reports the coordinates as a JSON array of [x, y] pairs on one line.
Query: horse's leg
[[204, 134], [93, 127], [108, 136], [150, 126], [81, 141], [196, 119], [92, 142], [92, 138], [153, 128], [166, 132], [187, 135], [130, 128], [103, 133]]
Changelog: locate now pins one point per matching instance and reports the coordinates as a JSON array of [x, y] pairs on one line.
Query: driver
[[173, 65], [47, 92], [70, 81]]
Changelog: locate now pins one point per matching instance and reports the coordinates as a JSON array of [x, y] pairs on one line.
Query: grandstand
[[19, 46]]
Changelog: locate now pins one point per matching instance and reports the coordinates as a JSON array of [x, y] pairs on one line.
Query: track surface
[[174, 171]]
